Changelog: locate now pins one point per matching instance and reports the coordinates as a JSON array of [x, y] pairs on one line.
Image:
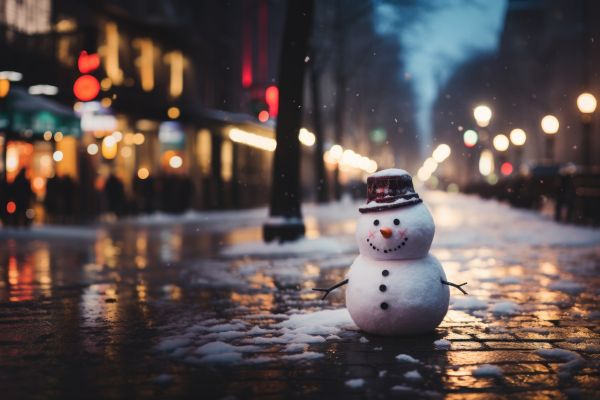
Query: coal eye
[[376, 222], [396, 221]]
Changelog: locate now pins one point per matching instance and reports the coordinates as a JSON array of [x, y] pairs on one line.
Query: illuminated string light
[[347, 159], [306, 137], [470, 138], [175, 162], [252, 140]]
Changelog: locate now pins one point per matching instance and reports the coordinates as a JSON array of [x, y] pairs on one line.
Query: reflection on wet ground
[[85, 313]]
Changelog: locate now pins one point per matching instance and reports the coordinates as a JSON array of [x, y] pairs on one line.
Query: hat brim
[[375, 207]]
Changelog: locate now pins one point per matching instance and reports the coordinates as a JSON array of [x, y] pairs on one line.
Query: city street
[[197, 306]]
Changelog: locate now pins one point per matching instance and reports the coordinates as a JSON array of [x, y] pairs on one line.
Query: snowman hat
[[388, 189]]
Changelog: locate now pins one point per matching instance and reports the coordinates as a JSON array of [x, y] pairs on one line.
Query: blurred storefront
[[38, 136], [141, 97]]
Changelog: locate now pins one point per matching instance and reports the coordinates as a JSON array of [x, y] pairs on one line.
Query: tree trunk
[[320, 174], [340, 90], [285, 223]]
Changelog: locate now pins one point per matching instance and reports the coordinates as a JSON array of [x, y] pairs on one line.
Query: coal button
[[384, 306], [385, 272], [382, 288]]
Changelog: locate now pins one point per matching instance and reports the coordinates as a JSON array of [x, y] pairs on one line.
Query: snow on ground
[[322, 245], [469, 303], [567, 287], [355, 383], [494, 224], [572, 362], [49, 232], [442, 344], [413, 376], [488, 371], [484, 242], [505, 308], [215, 341], [405, 358]]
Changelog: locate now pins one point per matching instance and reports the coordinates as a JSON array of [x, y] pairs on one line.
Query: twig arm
[[328, 290], [459, 287]]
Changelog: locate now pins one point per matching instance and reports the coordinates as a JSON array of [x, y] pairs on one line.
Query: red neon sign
[[86, 88], [272, 100], [88, 62]]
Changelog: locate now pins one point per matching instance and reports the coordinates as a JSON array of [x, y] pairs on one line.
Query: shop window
[[145, 62], [27, 16], [110, 51], [226, 160], [203, 151], [176, 62]]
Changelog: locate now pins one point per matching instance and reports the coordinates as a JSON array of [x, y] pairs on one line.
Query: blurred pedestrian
[[22, 197], [143, 191], [3, 198], [115, 195]]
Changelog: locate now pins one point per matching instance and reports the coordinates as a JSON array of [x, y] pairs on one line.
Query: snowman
[[395, 287]]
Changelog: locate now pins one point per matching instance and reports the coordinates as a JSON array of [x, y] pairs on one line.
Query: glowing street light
[[550, 127], [470, 138], [501, 142], [441, 153], [482, 115], [336, 152], [586, 102], [486, 163], [518, 137], [550, 124]]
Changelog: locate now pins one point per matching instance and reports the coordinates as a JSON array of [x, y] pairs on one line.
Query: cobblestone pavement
[[165, 307]]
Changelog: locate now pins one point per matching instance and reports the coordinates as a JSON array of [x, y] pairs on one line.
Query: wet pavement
[[195, 306]]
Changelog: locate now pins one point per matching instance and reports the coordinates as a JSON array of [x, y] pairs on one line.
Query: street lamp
[[586, 102], [501, 143], [482, 115], [518, 138], [550, 126]]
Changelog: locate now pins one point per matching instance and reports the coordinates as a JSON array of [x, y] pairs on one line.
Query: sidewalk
[[198, 307]]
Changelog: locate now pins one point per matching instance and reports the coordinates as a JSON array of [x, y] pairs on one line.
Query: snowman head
[[394, 224], [396, 234]]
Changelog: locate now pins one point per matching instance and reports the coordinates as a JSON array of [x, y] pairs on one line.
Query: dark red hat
[[389, 188]]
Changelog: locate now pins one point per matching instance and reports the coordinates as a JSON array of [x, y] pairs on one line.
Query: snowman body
[[395, 286], [397, 297]]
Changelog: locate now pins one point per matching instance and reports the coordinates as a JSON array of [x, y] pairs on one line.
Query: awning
[[239, 120], [25, 116]]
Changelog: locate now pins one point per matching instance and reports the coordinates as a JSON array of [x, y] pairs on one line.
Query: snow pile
[[405, 358], [567, 287], [318, 323], [413, 376], [401, 389], [509, 280], [355, 383], [456, 228], [216, 341], [442, 344], [572, 361], [307, 355], [469, 303], [49, 232], [488, 371], [506, 308], [322, 245]]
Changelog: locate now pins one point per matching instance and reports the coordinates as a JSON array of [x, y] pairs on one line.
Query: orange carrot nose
[[386, 232]]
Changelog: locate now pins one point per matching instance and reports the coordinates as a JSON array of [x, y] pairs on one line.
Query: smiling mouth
[[389, 250]]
